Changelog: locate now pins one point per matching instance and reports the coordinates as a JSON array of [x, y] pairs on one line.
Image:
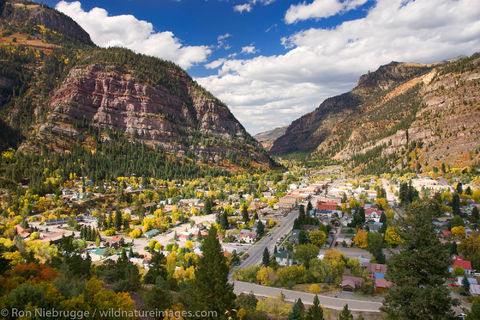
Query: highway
[[307, 298]]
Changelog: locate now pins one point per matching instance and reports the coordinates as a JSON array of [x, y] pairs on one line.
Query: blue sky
[[272, 61]]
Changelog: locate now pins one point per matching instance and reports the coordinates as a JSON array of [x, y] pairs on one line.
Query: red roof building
[[326, 206]]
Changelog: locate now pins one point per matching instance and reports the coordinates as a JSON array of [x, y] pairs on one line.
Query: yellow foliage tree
[[459, 232], [137, 233], [266, 276], [317, 237], [392, 237], [361, 238], [315, 288]]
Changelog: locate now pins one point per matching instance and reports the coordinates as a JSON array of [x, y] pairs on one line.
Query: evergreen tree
[[260, 229], [466, 283], [455, 204], [266, 257], [212, 290], [275, 250], [309, 207], [118, 220], [468, 191], [419, 269], [316, 311], [130, 253], [245, 216], [207, 208], [345, 314], [302, 237], [298, 311], [301, 214], [223, 221], [475, 214], [156, 268], [459, 188]]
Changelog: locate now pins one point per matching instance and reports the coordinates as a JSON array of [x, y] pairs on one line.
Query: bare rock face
[[110, 97]]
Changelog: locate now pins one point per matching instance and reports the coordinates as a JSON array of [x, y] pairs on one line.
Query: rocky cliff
[[55, 87], [400, 117], [268, 137]]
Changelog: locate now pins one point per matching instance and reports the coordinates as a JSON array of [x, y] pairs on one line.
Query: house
[[326, 206], [375, 268], [284, 258], [342, 241], [350, 283], [184, 236], [381, 285], [373, 214], [287, 202], [115, 242], [459, 262], [151, 233], [22, 232], [247, 236]]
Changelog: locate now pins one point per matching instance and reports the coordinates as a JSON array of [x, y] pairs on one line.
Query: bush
[[315, 288], [110, 232]]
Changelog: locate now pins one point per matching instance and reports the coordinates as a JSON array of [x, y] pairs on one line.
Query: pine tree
[[245, 216], [475, 214], [260, 229], [212, 290], [459, 188], [223, 221], [298, 311], [316, 311], [301, 214], [465, 283], [419, 270], [266, 257], [309, 207], [345, 314], [118, 220]]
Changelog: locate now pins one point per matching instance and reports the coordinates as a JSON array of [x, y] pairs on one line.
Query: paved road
[[307, 298], [255, 252]]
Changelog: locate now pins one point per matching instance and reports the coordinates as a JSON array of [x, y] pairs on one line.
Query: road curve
[[307, 298]]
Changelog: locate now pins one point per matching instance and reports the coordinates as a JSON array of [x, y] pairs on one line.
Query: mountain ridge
[[53, 86], [376, 124]]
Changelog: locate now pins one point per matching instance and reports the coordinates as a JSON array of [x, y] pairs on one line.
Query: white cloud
[[138, 35], [243, 7], [320, 9], [269, 91], [215, 64], [222, 41], [249, 50], [248, 6]]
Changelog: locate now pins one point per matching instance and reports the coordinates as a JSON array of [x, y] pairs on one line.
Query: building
[[331, 206], [288, 201], [151, 233], [284, 258], [373, 214], [350, 283], [460, 262]]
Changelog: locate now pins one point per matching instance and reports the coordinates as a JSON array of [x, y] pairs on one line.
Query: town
[[302, 234]]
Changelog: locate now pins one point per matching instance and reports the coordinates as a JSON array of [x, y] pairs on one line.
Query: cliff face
[[57, 91], [402, 116], [108, 96]]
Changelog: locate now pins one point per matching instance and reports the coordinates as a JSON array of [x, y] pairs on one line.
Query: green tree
[[316, 311], [305, 252], [345, 314], [474, 313], [212, 290], [260, 228], [302, 237], [266, 257], [419, 269], [318, 237], [118, 220], [156, 268], [375, 246], [466, 283], [223, 221], [245, 216], [298, 311]]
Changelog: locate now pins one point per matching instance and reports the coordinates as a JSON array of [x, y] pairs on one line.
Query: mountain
[[59, 91], [403, 116], [268, 137]]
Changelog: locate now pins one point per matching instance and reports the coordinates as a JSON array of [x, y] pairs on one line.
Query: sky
[[272, 61]]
